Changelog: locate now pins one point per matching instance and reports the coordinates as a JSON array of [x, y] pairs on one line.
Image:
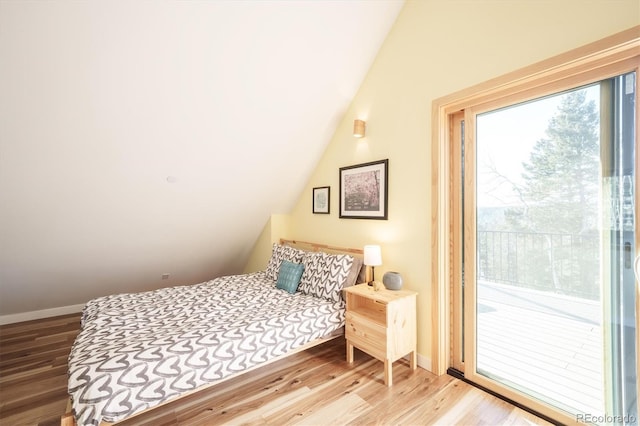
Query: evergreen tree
[[560, 190], [560, 199]]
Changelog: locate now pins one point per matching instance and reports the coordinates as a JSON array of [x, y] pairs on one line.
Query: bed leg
[[67, 418]]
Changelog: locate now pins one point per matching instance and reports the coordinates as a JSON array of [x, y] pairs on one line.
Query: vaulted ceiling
[[139, 138]]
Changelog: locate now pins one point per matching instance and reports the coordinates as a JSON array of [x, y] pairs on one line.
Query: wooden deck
[[549, 346]]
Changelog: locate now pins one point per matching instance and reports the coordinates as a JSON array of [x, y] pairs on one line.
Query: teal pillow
[[289, 276]]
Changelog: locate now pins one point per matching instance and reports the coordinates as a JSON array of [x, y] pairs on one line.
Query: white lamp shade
[[372, 255]]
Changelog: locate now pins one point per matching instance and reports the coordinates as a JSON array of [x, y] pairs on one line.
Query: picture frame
[[321, 200], [364, 190]]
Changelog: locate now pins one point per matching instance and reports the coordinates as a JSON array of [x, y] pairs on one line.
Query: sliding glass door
[[546, 290]]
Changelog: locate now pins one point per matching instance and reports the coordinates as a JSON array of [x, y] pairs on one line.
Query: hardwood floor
[[33, 369], [314, 387]]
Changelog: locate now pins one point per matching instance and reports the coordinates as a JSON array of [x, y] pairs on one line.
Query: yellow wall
[[435, 48], [277, 227]]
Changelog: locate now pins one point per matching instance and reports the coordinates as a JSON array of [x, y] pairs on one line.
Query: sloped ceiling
[[143, 137]]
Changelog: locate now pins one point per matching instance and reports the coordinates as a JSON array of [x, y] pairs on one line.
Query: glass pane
[[542, 252], [618, 132]]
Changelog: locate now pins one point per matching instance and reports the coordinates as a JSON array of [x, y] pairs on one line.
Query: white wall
[[102, 101]]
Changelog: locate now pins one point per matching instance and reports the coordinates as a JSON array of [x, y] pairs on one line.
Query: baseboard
[[44, 313], [424, 362]]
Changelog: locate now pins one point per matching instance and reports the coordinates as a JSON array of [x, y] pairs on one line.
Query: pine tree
[[560, 198], [560, 190]]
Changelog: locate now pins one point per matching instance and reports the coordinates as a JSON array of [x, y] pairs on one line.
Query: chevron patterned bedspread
[[135, 351]]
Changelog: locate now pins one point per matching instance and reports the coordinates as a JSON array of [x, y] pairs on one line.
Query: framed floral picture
[[364, 190], [321, 199]]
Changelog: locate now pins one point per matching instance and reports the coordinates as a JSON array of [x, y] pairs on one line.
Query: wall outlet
[[165, 276]]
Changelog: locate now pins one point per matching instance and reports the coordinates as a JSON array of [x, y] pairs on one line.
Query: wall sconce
[[372, 258], [358, 128]]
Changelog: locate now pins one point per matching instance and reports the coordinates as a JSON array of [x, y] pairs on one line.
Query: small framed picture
[[321, 199], [363, 190]]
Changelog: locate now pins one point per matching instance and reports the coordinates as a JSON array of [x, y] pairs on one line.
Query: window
[[518, 239]]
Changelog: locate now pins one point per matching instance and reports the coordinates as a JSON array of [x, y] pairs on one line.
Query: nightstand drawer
[[366, 335]]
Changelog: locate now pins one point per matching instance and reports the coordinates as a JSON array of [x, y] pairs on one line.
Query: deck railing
[[562, 263]]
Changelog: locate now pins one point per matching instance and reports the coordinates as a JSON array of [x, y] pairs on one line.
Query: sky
[[505, 137]]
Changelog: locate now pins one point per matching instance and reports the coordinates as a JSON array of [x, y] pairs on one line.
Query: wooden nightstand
[[381, 323]]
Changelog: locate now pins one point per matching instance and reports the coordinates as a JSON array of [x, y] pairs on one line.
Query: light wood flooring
[[314, 387]]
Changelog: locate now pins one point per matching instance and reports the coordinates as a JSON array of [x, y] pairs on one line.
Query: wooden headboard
[[304, 245], [307, 246]]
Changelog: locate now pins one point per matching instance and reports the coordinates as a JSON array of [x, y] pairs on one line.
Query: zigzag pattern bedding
[[135, 351]]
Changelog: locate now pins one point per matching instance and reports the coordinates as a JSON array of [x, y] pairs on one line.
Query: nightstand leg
[[349, 352], [388, 372], [413, 357]]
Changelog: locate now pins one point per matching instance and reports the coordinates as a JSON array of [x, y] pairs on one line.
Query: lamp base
[[370, 274]]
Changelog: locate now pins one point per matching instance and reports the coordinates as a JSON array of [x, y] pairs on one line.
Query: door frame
[[611, 56]]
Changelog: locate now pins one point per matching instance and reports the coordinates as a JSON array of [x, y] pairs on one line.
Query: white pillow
[[280, 253], [325, 275]]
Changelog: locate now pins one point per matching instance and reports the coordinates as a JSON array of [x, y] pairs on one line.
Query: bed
[[137, 351]]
